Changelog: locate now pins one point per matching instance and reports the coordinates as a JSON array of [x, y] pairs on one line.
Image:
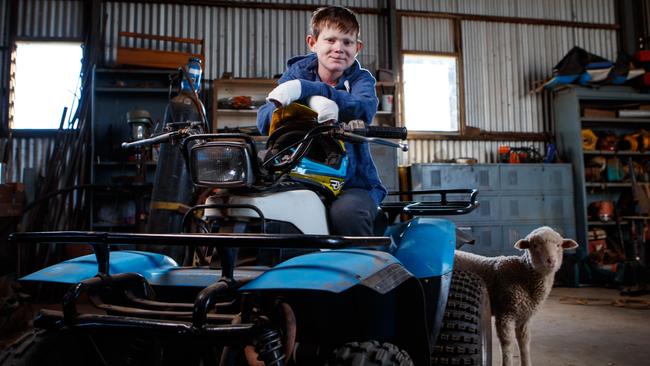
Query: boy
[[332, 72]]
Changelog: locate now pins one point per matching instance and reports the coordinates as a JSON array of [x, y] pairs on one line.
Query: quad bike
[[269, 285]]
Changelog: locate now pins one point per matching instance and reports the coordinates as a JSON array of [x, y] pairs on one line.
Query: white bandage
[[285, 93], [327, 109], [356, 124]]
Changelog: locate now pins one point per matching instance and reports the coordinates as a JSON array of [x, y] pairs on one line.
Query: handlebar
[[338, 132], [190, 129], [382, 132], [372, 134]]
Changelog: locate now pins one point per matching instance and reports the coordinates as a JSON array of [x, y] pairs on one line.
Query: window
[[430, 93], [46, 81]]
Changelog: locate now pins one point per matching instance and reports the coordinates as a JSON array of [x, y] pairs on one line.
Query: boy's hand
[[356, 124], [285, 93], [327, 109]]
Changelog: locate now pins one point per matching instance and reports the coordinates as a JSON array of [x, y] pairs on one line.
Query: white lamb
[[518, 285]]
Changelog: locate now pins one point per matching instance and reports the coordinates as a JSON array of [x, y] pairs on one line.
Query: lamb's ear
[[569, 244], [522, 244]]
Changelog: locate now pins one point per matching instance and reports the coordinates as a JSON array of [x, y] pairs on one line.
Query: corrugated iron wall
[[46, 19], [29, 155], [503, 63], [422, 151], [589, 11], [249, 43], [4, 57], [39, 20], [427, 34]]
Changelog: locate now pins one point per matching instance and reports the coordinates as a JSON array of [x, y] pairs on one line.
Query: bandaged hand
[[285, 93], [355, 124], [327, 109]]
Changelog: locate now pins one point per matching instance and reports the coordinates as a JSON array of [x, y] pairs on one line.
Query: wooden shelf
[[246, 82], [117, 89], [614, 121], [123, 163], [224, 111], [112, 226], [605, 185], [620, 152], [608, 223]]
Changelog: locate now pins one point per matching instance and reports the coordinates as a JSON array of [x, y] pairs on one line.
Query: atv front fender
[[334, 271], [425, 245], [78, 269]]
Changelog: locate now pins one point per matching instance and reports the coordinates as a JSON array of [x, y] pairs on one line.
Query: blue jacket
[[356, 97]]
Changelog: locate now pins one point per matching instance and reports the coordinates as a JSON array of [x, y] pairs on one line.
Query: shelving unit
[[257, 90], [123, 186], [569, 121]]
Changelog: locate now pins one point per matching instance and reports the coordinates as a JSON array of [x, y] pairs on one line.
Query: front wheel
[[370, 354], [41, 347], [466, 334]]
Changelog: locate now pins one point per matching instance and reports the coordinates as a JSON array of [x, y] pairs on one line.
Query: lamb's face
[[545, 247]]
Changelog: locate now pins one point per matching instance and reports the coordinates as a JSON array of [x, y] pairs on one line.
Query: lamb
[[518, 285]]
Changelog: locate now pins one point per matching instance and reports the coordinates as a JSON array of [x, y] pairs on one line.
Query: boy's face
[[335, 50]]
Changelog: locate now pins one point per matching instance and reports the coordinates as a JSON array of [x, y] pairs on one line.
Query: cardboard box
[[135, 56], [12, 199], [599, 113]]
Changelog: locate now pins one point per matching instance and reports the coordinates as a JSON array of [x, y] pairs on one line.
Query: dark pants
[[353, 213]]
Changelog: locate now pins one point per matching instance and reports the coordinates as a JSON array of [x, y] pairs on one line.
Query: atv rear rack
[[464, 201]]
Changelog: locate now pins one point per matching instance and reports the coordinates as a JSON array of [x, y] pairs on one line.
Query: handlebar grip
[[383, 132]]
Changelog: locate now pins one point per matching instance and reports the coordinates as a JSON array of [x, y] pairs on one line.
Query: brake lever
[[354, 138]]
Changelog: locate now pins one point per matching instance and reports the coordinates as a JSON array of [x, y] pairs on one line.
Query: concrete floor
[[566, 334]]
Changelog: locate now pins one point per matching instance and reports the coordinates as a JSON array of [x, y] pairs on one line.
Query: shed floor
[[566, 333]]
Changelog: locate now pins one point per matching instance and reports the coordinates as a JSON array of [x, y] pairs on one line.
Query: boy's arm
[[360, 103], [264, 114]]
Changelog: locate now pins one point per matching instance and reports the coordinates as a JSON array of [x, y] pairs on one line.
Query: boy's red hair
[[337, 17]]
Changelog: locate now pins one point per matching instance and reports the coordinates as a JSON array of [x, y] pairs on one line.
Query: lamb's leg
[[506, 333], [523, 339]]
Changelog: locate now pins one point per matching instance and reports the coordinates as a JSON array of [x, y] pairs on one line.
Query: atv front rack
[[101, 242]]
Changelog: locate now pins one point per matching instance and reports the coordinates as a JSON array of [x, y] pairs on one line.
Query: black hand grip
[[382, 132]]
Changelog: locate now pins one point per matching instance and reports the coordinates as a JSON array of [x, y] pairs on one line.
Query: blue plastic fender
[[333, 271], [425, 246], [81, 268]]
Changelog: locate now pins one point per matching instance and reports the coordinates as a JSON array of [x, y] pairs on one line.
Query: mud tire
[[466, 334], [370, 353], [41, 347]]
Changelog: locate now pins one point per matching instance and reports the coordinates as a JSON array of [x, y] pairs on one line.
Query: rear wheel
[[466, 334], [370, 354]]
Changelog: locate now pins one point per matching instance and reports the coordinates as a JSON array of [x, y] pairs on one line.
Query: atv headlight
[[222, 164]]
